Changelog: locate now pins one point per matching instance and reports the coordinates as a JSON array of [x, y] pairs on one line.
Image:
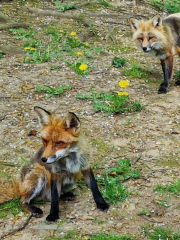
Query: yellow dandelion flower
[[33, 49], [76, 38], [26, 48], [122, 93], [113, 173], [86, 44], [83, 67], [79, 53], [61, 31], [123, 83], [73, 33]]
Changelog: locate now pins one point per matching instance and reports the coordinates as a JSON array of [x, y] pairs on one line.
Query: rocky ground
[[150, 138]]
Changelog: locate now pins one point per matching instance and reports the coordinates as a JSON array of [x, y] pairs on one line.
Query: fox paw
[[103, 206], [162, 89], [52, 218], [177, 83], [36, 212], [69, 196]]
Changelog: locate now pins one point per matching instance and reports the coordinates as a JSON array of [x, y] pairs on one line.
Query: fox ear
[[157, 21], [72, 123], [134, 23], [43, 115]]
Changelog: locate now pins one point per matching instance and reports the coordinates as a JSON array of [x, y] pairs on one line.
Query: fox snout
[[49, 159], [44, 159], [147, 48]]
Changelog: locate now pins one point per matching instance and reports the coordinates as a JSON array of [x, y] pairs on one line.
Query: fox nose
[[144, 49], [43, 159]]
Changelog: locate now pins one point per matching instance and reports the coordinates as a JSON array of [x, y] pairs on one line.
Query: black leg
[[91, 181], [54, 211], [167, 67]]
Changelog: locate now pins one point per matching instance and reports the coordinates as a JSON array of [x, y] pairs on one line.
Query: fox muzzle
[[43, 159]]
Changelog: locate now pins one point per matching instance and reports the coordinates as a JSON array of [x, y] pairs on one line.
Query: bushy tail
[[9, 189]]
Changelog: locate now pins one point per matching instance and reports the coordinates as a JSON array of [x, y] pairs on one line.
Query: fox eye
[[140, 39], [151, 38], [58, 143]]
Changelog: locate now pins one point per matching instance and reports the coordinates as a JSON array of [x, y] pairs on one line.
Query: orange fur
[[159, 38]]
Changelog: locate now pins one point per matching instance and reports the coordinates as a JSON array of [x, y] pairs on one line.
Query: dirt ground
[[152, 136]]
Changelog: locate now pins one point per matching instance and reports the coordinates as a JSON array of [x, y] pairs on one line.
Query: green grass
[[56, 44], [71, 235], [173, 188], [64, 7], [159, 233], [102, 236], [135, 72], [25, 34], [10, 207], [144, 212], [171, 6], [53, 92], [111, 183], [118, 62], [111, 103]]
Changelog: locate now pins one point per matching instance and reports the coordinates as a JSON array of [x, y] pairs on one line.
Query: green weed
[[144, 212], [135, 72], [10, 207], [118, 62], [111, 103], [178, 74], [111, 183], [163, 202], [171, 6], [79, 68], [105, 3], [53, 92], [21, 33], [102, 236], [113, 190], [173, 188], [159, 233], [64, 7], [124, 171], [1, 54]]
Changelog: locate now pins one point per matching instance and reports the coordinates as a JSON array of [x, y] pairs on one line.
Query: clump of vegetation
[[59, 44], [173, 188], [10, 207], [53, 92], [102, 236], [178, 74], [159, 233], [25, 34], [171, 6], [1, 54], [118, 62], [112, 103], [111, 183], [64, 7], [135, 72], [144, 212]]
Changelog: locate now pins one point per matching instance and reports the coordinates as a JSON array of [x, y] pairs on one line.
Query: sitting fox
[[56, 167], [160, 38]]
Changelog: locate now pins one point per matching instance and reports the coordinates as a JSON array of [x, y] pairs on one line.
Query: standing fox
[[160, 38], [56, 166]]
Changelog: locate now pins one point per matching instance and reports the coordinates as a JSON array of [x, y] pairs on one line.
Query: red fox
[[56, 167], [160, 38]]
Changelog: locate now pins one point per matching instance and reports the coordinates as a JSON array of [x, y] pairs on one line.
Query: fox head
[[59, 135], [148, 34]]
